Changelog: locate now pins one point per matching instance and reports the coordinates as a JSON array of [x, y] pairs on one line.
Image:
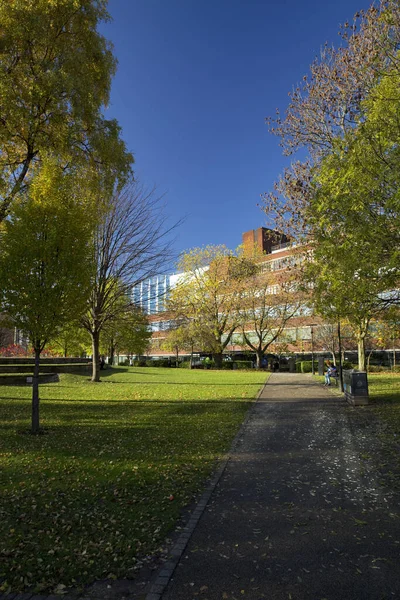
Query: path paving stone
[[305, 509]]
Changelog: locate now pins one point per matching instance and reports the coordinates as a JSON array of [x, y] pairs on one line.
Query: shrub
[[242, 364], [375, 369], [15, 350], [185, 364], [306, 366], [163, 362], [381, 368], [348, 365], [227, 365]]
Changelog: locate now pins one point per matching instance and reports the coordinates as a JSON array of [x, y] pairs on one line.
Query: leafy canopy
[[46, 259], [55, 77]]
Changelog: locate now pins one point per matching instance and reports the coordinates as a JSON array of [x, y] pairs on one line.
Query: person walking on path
[[304, 510]]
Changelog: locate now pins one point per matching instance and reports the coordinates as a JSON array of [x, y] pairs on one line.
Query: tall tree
[[72, 340], [209, 294], [46, 261], [342, 200], [129, 333], [327, 337], [183, 335], [270, 301], [55, 77], [387, 332], [354, 215], [131, 244], [344, 287], [327, 105]]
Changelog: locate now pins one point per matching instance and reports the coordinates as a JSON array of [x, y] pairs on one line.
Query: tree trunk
[[112, 351], [177, 357], [361, 352], [218, 360], [191, 357], [369, 358], [333, 348], [96, 356], [259, 357], [35, 394], [111, 356], [394, 353], [5, 204]]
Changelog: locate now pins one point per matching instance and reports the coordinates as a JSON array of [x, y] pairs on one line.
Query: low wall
[[46, 368], [27, 380], [59, 360]]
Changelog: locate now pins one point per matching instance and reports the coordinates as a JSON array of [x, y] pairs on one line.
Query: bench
[[334, 378]]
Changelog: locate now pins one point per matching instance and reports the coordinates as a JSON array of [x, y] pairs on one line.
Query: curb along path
[[304, 509]]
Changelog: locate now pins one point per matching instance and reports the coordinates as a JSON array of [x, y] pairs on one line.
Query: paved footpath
[[306, 509]]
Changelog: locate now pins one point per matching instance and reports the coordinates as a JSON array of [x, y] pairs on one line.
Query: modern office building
[[279, 255], [152, 295]]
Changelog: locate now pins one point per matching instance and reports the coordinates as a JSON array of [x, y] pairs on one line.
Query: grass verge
[[384, 390], [384, 402], [118, 462]]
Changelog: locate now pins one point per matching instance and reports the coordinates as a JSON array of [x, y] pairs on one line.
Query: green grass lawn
[[384, 396], [109, 478], [384, 389]]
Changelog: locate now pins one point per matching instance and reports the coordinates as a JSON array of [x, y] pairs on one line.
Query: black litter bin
[[355, 387]]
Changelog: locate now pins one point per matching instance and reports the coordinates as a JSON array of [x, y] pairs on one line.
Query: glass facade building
[[151, 295]]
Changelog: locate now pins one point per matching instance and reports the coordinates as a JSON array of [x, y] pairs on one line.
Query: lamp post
[[312, 347]]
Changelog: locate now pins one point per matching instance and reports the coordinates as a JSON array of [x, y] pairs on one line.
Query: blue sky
[[195, 81]]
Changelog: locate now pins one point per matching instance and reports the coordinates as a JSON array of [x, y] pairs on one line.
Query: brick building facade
[[278, 255]]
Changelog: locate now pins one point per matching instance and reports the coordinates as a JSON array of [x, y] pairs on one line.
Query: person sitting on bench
[[331, 372], [328, 374]]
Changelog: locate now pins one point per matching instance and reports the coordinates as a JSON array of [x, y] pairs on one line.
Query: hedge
[[242, 364], [305, 366], [185, 364], [227, 365]]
